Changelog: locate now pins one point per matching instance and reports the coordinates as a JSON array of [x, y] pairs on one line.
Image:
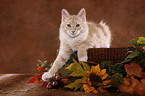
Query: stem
[[141, 61]]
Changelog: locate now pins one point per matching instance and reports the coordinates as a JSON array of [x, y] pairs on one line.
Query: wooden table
[[17, 85]]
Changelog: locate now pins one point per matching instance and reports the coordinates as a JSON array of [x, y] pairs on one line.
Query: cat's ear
[[64, 14], [82, 14]]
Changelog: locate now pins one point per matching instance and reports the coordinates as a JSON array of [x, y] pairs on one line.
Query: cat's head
[[74, 25]]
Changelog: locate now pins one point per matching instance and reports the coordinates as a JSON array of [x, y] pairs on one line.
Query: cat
[[77, 34]]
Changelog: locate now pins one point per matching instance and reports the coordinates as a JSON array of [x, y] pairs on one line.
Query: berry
[[57, 77], [55, 83], [49, 85]]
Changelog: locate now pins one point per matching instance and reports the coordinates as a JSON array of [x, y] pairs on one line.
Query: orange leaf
[[40, 69], [143, 75], [35, 79], [44, 84], [64, 80], [133, 69]]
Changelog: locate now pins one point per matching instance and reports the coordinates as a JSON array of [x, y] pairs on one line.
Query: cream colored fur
[[77, 34]]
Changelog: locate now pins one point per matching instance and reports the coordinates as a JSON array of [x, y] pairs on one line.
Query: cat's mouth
[[73, 34]]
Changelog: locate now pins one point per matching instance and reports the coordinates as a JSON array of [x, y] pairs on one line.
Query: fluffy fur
[[77, 34]]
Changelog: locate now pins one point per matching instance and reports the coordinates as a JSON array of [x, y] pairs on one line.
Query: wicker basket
[[113, 55]]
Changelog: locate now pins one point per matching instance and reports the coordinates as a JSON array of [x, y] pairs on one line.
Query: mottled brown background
[[29, 28]]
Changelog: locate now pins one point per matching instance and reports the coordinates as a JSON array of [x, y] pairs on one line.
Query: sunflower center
[[95, 79]]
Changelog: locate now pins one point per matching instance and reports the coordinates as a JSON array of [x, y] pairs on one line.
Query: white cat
[[77, 34]]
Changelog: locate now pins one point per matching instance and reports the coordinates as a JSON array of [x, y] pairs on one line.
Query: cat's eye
[[77, 25], [68, 25]]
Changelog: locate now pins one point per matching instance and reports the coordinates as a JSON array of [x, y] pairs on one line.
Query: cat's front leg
[[63, 56], [82, 53]]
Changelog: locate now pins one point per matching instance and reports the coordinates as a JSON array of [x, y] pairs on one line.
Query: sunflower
[[95, 81]]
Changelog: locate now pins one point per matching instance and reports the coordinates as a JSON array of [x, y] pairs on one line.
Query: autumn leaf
[[64, 72], [143, 75], [44, 84], [35, 79], [76, 84], [116, 80], [86, 66], [133, 69], [143, 67], [141, 40], [40, 69], [77, 70]]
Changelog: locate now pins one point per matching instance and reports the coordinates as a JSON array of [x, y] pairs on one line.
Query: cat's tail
[[106, 30]]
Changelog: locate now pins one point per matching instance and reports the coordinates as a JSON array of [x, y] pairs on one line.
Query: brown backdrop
[[29, 28]]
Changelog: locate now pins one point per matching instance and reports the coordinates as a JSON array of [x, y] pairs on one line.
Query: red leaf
[[133, 69], [35, 79], [143, 75], [143, 67], [44, 84], [40, 69], [64, 80]]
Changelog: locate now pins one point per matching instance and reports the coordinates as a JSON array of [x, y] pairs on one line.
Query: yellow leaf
[[76, 84], [86, 66], [77, 70]]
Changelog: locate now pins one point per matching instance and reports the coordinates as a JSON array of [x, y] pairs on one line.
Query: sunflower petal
[[99, 89], [106, 82], [92, 69], [86, 88], [103, 71], [95, 91], [105, 76], [89, 88], [89, 73], [89, 82], [84, 81], [97, 69]]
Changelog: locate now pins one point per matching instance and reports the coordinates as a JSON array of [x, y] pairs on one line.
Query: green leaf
[[141, 40], [131, 56], [117, 79], [44, 64], [76, 70], [86, 66], [133, 41], [76, 84], [64, 72]]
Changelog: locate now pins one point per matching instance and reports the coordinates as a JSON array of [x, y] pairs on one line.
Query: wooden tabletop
[[17, 85]]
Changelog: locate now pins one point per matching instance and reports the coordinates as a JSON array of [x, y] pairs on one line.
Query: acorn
[[55, 83], [57, 77], [49, 85]]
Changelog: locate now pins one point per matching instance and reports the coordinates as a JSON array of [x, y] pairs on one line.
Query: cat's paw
[[84, 59], [46, 76]]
